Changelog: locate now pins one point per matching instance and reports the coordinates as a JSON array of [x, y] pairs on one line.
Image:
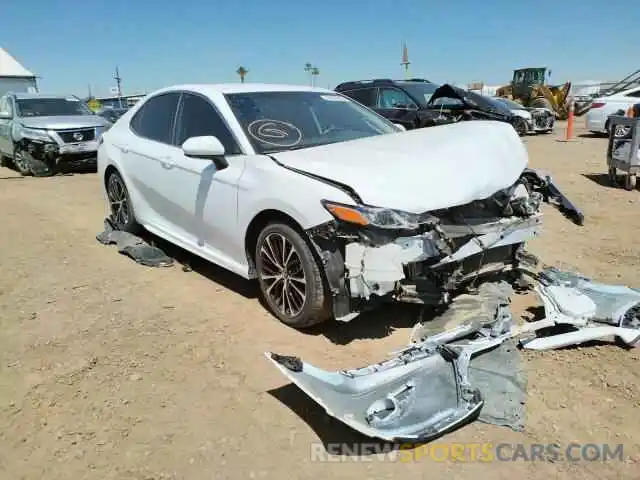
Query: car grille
[[79, 135]]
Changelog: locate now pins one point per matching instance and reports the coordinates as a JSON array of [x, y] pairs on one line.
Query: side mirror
[[207, 148], [5, 116], [400, 126]]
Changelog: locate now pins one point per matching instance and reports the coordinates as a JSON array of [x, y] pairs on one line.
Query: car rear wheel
[[290, 278], [122, 215]]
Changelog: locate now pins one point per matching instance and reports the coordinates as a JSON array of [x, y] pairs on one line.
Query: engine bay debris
[[134, 247], [464, 364]]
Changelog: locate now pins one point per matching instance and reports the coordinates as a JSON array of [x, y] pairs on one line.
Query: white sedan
[[602, 108], [329, 205]]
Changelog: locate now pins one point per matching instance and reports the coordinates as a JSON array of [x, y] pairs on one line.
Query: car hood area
[[63, 122], [420, 170]]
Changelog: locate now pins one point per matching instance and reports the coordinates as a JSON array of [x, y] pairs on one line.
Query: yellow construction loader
[[528, 87]]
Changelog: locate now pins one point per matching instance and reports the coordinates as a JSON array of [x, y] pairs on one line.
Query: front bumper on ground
[[433, 385]]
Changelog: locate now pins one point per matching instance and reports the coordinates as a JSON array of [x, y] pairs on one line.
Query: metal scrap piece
[[134, 247]]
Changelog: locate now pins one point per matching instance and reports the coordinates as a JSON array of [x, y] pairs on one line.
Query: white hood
[[421, 170]]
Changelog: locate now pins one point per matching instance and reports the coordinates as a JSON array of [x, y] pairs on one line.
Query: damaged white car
[[329, 205]]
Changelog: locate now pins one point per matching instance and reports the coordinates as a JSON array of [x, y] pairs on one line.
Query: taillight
[[598, 104]]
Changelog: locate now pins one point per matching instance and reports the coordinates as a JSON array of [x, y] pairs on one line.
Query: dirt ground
[[111, 370]]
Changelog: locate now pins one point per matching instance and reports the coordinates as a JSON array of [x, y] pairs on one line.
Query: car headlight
[[34, 134], [364, 216]]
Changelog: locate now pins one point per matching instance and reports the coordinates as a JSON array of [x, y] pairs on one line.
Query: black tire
[[122, 214], [28, 165], [520, 125], [305, 310]]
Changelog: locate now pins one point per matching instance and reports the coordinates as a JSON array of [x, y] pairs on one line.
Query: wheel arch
[[257, 224], [107, 173]]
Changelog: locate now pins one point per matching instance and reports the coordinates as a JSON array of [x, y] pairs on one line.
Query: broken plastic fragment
[[595, 310]]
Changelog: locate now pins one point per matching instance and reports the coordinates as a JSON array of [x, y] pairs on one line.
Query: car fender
[[265, 185]]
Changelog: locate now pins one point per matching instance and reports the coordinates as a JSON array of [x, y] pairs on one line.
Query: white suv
[[603, 107]]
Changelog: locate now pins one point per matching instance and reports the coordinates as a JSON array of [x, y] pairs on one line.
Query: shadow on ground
[[378, 323], [192, 263], [601, 179], [592, 135]]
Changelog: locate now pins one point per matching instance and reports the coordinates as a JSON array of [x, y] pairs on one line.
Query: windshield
[[279, 121], [421, 92], [510, 103], [45, 107]]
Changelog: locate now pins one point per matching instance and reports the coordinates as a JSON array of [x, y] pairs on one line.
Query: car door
[[6, 144], [365, 96], [395, 105], [147, 156], [205, 197]]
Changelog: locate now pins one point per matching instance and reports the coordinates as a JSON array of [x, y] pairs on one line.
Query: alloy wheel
[[283, 275], [21, 163], [118, 199]]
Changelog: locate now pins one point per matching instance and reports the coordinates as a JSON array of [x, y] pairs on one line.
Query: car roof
[[26, 96], [355, 84], [227, 88]]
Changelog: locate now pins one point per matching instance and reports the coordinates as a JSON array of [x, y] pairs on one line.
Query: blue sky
[[71, 44]]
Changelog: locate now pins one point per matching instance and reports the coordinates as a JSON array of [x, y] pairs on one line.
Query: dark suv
[[397, 100], [420, 103]]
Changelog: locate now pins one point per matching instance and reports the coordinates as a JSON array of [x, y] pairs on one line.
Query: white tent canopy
[[10, 67]]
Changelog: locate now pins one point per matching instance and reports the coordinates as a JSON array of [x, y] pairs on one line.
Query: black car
[[420, 103], [112, 114]]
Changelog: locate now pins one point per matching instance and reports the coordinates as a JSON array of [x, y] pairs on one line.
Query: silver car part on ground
[[133, 246], [431, 386], [420, 393], [594, 310]]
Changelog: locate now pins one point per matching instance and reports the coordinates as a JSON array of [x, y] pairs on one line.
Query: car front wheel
[[290, 278]]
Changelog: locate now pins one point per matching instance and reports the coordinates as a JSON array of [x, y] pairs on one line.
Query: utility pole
[[89, 90], [405, 60], [118, 80]]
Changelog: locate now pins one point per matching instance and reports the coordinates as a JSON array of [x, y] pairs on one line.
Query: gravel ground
[[110, 370]]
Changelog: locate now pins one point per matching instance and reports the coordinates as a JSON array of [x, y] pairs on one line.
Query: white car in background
[[602, 107], [329, 205]]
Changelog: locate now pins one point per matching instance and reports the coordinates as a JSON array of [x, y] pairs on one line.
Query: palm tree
[[315, 71], [307, 68], [242, 72]]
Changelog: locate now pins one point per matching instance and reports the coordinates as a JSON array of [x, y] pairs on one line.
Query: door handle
[[166, 162]]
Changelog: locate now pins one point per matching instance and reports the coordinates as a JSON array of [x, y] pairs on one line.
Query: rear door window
[[155, 119]]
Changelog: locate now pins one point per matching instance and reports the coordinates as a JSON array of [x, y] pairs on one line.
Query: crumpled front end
[[372, 253], [542, 119]]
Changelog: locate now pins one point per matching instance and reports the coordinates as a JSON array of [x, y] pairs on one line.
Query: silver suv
[[40, 132]]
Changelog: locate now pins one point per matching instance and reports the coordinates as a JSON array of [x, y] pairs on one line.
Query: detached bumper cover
[[421, 393]]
